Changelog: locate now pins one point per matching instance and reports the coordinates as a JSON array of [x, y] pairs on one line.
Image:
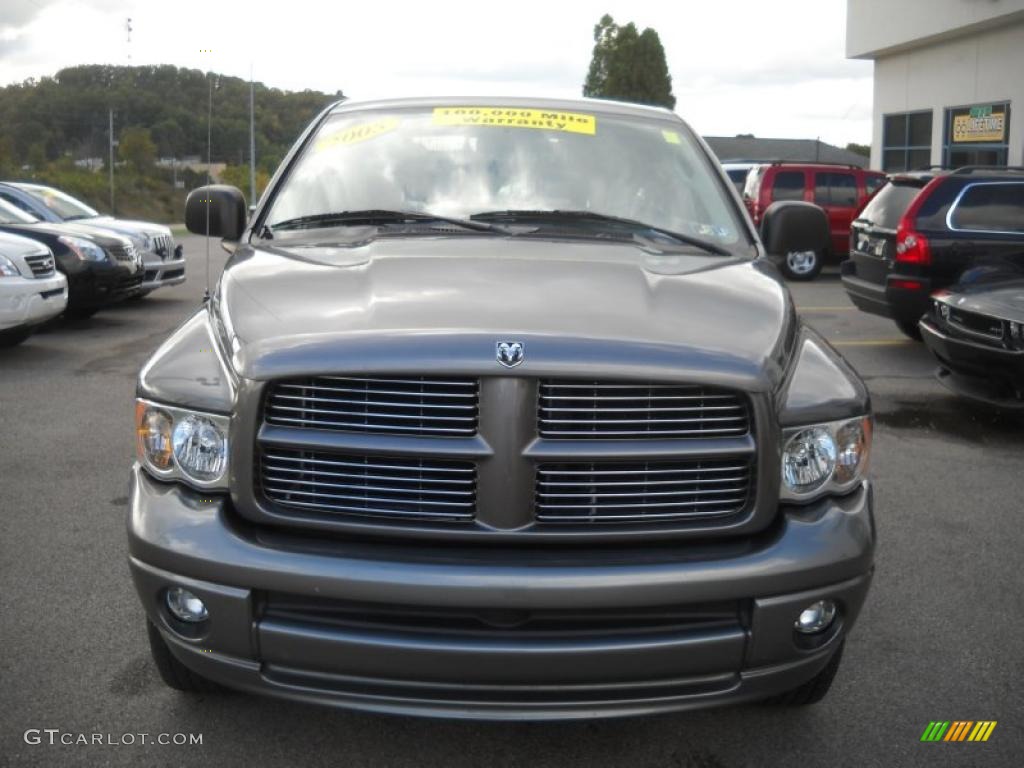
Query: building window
[[906, 141], [977, 135]]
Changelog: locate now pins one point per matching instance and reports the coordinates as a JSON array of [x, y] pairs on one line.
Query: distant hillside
[[67, 114], [54, 130]]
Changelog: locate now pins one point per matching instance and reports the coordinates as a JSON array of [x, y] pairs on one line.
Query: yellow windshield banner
[[358, 133], [513, 117]]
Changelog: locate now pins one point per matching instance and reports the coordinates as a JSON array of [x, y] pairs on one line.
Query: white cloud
[[768, 68]]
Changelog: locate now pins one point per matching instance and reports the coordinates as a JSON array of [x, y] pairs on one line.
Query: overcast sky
[[767, 67]]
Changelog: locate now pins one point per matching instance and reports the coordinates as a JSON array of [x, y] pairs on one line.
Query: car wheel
[[910, 328], [801, 265], [139, 295], [14, 337], [80, 313], [813, 690], [175, 674]]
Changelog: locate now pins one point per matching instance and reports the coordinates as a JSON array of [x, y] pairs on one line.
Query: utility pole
[[252, 141], [111, 163]]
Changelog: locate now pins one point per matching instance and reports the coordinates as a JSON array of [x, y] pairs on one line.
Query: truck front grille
[[640, 492], [163, 246], [588, 410], [444, 407], [371, 486], [40, 264]]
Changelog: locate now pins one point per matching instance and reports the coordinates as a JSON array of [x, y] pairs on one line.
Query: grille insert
[[41, 264], [641, 492], [615, 410], [122, 252], [407, 406], [372, 486]]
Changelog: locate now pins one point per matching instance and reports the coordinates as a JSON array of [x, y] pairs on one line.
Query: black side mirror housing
[[225, 206], [789, 225]]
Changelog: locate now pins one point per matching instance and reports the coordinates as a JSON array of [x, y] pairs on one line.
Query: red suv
[[840, 190]]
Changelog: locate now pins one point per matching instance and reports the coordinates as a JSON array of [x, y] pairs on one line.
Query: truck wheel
[[910, 329], [813, 690], [175, 674], [802, 265], [14, 337]]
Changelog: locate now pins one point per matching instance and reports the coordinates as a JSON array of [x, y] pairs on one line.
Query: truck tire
[[175, 674], [803, 265], [909, 329], [813, 690]]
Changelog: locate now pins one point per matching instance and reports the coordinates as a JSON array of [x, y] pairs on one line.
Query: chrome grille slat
[[426, 406], [636, 410], [383, 487], [41, 264], [594, 493], [369, 464]]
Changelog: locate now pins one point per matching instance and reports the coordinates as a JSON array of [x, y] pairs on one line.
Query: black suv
[[923, 230]]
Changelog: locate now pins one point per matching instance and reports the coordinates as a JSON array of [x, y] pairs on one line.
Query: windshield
[[62, 204], [464, 161], [10, 214], [885, 208]]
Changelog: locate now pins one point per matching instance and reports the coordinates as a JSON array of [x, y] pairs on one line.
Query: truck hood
[[422, 304]]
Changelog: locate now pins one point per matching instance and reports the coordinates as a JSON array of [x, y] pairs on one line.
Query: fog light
[[816, 617], [185, 606], [944, 311]]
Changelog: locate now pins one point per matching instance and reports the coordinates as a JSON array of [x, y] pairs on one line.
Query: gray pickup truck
[[498, 410]]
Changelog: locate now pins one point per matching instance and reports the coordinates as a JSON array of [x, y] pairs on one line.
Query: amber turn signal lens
[[153, 436]]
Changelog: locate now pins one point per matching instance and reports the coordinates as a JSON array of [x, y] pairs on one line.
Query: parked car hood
[[1004, 300], [445, 301], [16, 246], [104, 238], [125, 226]]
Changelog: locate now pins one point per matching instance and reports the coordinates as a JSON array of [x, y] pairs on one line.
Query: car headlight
[[8, 268], [181, 444], [86, 250], [824, 458]]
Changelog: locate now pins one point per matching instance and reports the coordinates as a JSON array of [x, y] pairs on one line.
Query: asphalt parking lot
[[940, 638]]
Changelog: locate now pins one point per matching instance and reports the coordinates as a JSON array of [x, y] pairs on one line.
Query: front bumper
[[101, 284], [977, 371], [160, 273], [181, 537], [30, 301]]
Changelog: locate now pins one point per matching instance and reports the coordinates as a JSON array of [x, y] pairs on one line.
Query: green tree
[[628, 65], [860, 149], [137, 147]]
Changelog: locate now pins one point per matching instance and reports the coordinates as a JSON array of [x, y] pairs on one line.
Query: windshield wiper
[[556, 215], [376, 218]]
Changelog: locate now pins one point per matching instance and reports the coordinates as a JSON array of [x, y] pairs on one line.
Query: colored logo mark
[[958, 730]]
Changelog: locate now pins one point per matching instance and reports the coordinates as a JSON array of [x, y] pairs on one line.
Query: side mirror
[[789, 226], [225, 207]]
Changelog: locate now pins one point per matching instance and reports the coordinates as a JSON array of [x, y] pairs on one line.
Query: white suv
[[31, 290]]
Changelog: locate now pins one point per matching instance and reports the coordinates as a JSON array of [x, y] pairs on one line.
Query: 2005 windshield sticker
[[358, 133], [512, 117]]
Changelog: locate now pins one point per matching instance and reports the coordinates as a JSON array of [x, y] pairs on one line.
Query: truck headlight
[[824, 458], [180, 444]]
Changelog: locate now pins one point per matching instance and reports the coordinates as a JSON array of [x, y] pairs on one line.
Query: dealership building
[[948, 80]]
